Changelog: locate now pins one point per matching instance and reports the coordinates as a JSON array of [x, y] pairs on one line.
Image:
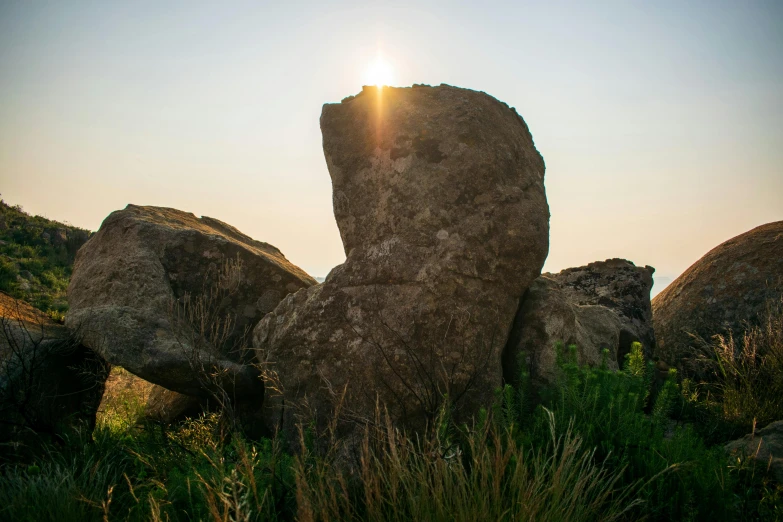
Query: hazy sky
[[661, 125]]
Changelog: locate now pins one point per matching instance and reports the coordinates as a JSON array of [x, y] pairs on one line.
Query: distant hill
[[659, 283], [36, 258]]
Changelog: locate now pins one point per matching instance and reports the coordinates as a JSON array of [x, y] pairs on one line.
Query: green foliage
[[150, 473], [631, 430], [603, 446], [8, 273], [36, 258]]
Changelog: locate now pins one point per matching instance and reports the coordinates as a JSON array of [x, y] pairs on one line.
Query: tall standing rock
[[170, 297], [438, 193], [604, 305], [723, 292]]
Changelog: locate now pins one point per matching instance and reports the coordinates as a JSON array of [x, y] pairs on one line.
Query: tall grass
[[744, 378], [70, 483], [195, 471], [59, 489], [602, 446], [190, 472], [488, 475]]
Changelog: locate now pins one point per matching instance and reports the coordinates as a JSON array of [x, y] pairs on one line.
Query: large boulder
[[50, 384], [765, 446], [172, 298], [604, 305], [438, 193], [724, 292]]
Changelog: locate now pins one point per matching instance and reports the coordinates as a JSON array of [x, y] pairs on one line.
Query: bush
[[8, 275], [615, 412]]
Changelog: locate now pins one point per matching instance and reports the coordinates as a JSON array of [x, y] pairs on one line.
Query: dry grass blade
[[402, 478]]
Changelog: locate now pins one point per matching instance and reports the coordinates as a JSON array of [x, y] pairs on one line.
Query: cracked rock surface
[[438, 193]]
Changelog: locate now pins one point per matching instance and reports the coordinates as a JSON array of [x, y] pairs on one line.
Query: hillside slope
[[36, 257]]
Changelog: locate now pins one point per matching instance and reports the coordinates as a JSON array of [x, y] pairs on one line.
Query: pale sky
[[661, 125]]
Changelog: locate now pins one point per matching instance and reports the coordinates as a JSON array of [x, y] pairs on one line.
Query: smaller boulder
[[604, 305], [172, 298], [725, 292], [765, 446], [50, 384]]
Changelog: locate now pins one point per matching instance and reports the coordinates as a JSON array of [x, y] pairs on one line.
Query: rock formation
[[49, 382], [605, 304], [172, 298], [729, 287], [765, 446], [438, 193]]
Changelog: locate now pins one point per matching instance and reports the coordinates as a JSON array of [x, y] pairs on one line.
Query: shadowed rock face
[[438, 193], [130, 281], [605, 304], [49, 382], [730, 286]]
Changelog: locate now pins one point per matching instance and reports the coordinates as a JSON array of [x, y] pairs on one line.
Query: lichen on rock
[[439, 197]]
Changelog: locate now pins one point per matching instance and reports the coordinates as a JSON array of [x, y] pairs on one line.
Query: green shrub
[[614, 412], [8, 273]]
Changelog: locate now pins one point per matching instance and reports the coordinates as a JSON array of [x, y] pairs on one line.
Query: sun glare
[[379, 72]]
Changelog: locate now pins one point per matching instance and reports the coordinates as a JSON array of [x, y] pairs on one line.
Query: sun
[[379, 72]]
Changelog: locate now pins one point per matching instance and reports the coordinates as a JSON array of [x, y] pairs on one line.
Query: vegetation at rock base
[[36, 258], [742, 386], [603, 445]]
